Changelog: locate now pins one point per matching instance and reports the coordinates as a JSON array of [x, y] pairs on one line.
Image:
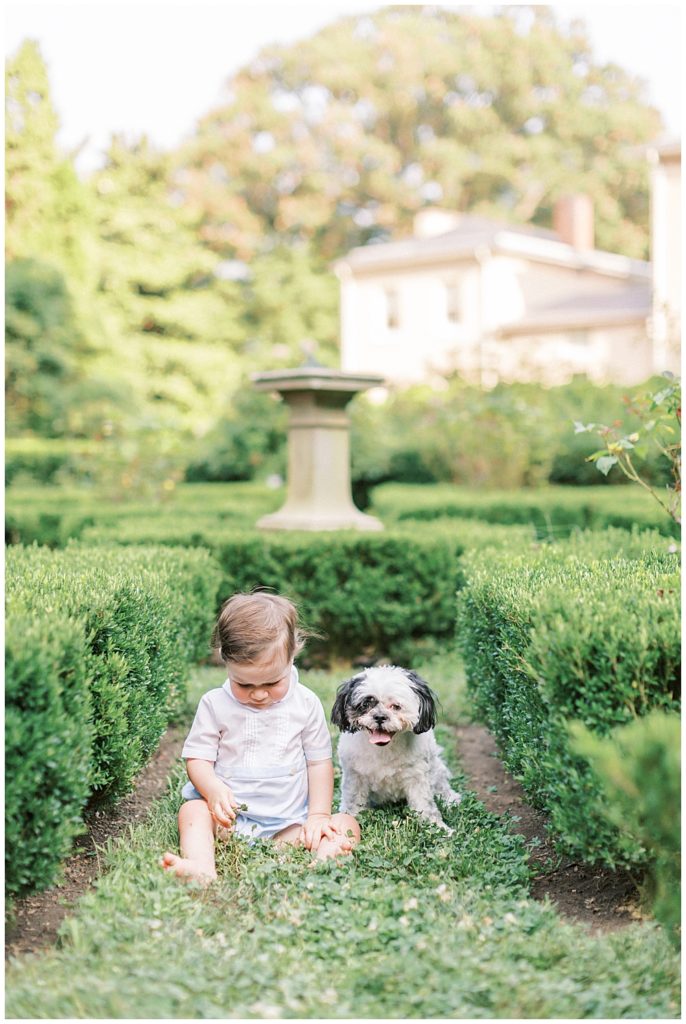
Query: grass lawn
[[415, 924]]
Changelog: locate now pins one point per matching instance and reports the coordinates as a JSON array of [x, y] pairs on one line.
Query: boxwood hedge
[[638, 767], [388, 594], [48, 736], [571, 632], [552, 511], [54, 515], [98, 644]]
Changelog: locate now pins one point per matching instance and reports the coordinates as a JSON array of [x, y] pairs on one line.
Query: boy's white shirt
[[262, 754]]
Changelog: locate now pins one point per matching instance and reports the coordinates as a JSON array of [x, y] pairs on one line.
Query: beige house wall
[[494, 293], [666, 256], [424, 337], [619, 355]]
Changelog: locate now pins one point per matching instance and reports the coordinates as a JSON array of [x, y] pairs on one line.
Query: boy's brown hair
[[250, 624]]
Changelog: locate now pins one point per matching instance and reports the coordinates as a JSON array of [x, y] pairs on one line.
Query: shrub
[[360, 591], [146, 615], [582, 400], [48, 733], [251, 440], [569, 634], [388, 594], [660, 432], [53, 515], [550, 510], [639, 770], [45, 459], [457, 433], [515, 435], [378, 592], [99, 641]]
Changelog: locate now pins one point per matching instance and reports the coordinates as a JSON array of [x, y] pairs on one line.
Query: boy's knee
[[193, 809]]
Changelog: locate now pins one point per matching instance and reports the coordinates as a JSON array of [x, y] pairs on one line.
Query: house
[[495, 301], [665, 159]]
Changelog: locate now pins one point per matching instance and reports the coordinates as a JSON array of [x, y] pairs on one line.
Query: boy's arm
[[320, 787], [219, 797]]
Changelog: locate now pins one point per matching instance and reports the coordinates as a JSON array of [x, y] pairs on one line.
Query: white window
[[392, 308], [453, 302]]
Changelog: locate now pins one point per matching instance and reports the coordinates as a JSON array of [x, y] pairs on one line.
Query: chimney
[[434, 221], [573, 220]]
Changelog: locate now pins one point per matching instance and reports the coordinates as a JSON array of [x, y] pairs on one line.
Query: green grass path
[[416, 924]]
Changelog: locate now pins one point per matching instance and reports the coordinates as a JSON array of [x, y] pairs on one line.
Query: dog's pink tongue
[[379, 737]]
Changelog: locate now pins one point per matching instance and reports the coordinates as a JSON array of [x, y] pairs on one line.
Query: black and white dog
[[387, 749]]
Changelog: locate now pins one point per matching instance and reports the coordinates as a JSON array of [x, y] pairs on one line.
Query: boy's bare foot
[[193, 870], [337, 847]]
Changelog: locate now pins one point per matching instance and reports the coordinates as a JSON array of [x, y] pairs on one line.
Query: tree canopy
[[139, 299], [341, 138]]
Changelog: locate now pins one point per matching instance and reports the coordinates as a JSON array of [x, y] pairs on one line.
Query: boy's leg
[[196, 838], [290, 834]]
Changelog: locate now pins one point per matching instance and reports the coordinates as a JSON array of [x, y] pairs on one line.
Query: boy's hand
[[222, 805], [316, 828]]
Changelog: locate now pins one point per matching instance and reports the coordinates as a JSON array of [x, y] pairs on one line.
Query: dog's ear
[[339, 711], [427, 702]]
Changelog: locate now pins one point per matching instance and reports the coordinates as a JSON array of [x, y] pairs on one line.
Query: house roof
[[476, 236], [667, 149]]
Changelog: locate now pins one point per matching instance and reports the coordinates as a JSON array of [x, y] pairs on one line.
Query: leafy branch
[[660, 416]]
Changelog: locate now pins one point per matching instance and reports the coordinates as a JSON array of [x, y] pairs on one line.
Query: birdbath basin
[[318, 486]]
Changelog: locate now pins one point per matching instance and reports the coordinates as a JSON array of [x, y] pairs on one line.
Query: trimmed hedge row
[[385, 594], [551, 511], [48, 738], [52, 516], [378, 592], [389, 594], [55, 515], [571, 632], [44, 459], [98, 641]]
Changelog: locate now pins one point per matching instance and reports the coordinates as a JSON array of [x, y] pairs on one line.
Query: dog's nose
[[380, 718]]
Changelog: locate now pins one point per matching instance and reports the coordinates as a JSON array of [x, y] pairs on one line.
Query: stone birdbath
[[318, 486]]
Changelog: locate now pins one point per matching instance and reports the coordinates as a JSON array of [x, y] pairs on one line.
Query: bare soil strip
[[603, 899]]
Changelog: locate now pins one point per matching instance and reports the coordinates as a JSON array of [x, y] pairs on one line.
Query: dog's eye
[[394, 707], [368, 702]]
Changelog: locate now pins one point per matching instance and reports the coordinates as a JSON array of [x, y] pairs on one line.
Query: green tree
[[51, 389], [342, 137], [176, 322], [48, 214], [54, 336], [291, 301]]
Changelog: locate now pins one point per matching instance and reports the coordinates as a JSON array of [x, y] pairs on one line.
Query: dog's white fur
[[398, 709]]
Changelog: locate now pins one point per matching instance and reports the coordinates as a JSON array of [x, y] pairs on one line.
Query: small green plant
[[648, 811], [660, 415]]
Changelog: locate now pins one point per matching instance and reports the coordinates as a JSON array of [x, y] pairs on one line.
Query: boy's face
[[259, 684]]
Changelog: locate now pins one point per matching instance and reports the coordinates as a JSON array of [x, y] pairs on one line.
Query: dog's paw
[[439, 823], [454, 798]]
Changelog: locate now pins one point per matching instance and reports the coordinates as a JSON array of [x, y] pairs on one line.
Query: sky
[[155, 66]]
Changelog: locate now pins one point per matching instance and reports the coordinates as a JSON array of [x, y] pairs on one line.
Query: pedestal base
[[319, 495], [285, 520]]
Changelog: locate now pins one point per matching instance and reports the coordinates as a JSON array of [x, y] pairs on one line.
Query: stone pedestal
[[318, 487]]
